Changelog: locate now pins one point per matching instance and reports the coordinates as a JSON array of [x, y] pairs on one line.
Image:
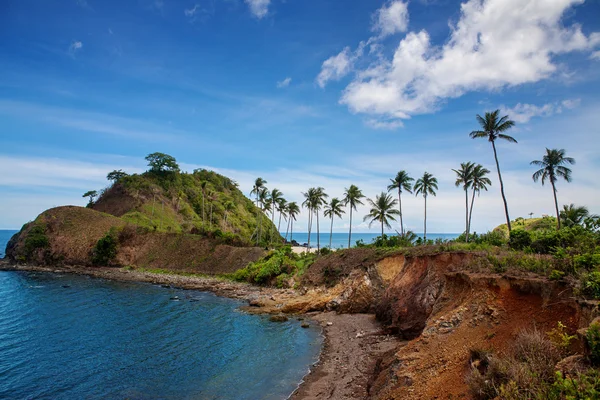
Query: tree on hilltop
[[161, 162], [92, 194], [116, 175]]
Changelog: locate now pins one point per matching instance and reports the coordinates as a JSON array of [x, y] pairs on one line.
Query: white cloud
[[595, 55], [486, 50], [192, 11], [75, 47], [284, 83], [391, 18], [338, 66], [384, 124], [524, 112], [258, 8]]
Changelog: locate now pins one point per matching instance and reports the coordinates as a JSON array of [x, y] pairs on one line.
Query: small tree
[[92, 194], [116, 175], [161, 162]]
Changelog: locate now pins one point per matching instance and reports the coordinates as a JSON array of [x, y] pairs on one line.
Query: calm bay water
[[70, 337], [5, 236], [341, 239]]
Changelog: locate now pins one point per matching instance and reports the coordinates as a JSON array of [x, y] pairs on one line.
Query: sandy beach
[[353, 342], [300, 249]]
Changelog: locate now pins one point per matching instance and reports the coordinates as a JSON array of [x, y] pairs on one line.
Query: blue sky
[[300, 92]]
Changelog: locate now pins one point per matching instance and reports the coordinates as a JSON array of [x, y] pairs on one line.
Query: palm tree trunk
[[331, 232], [211, 207], [318, 239], [203, 219], [400, 209], [309, 226], [381, 229], [466, 215], [501, 187], [350, 233], [273, 222], [425, 223], [471, 213], [291, 230], [279, 224], [556, 205], [287, 229], [257, 218]]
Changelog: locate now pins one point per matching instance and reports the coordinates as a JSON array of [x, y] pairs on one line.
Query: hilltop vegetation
[[164, 199]]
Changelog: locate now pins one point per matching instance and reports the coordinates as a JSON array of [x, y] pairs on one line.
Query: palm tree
[[308, 203], [426, 185], [263, 201], [212, 197], [333, 209], [317, 202], [281, 207], [259, 185], [402, 181], [382, 210], [492, 130], [464, 177], [572, 215], [293, 210], [228, 206], [276, 197], [352, 197], [203, 189], [479, 181], [552, 168]]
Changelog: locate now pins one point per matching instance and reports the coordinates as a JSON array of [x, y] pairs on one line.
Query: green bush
[[589, 284], [105, 250], [519, 239], [592, 338], [36, 239], [584, 386]]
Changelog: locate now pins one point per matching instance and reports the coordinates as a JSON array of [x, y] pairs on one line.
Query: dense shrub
[[519, 239], [105, 250], [269, 268], [592, 338], [583, 386], [36, 239], [589, 284]]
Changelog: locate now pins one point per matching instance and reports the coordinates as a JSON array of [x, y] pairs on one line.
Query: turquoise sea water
[[74, 337], [341, 239]]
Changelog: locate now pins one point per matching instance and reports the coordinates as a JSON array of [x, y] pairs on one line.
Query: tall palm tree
[[492, 129], [259, 185], [401, 181], [282, 208], [553, 168], [203, 189], [464, 177], [382, 210], [352, 197], [572, 215], [264, 203], [479, 182], [308, 203], [333, 209], [228, 206], [276, 196], [317, 202], [426, 185], [292, 210]]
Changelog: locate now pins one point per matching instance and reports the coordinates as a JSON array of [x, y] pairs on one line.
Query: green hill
[[203, 202], [529, 224]]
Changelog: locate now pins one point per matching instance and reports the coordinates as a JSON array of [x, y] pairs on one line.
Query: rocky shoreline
[[353, 342]]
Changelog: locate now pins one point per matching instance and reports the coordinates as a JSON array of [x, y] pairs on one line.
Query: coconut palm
[[275, 196], [553, 168], [282, 208], [401, 181], [259, 185], [319, 201], [464, 176], [426, 185], [572, 215], [265, 206], [292, 210], [352, 197], [308, 203], [479, 181], [492, 129], [203, 189], [382, 210], [333, 209], [228, 206]]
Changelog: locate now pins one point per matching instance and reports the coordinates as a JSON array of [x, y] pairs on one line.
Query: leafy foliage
[[161, 162], [519, 239], [592, 338], [36, 239], [105, 250]]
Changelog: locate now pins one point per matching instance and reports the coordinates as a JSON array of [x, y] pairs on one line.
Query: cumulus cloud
[[486, 50], [338, 66], [259, 8], [524, 112], [284, 83], [595, 55], [391, 18]]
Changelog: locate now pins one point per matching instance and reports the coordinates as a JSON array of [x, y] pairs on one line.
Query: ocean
[[340, 240], [66, 336]]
